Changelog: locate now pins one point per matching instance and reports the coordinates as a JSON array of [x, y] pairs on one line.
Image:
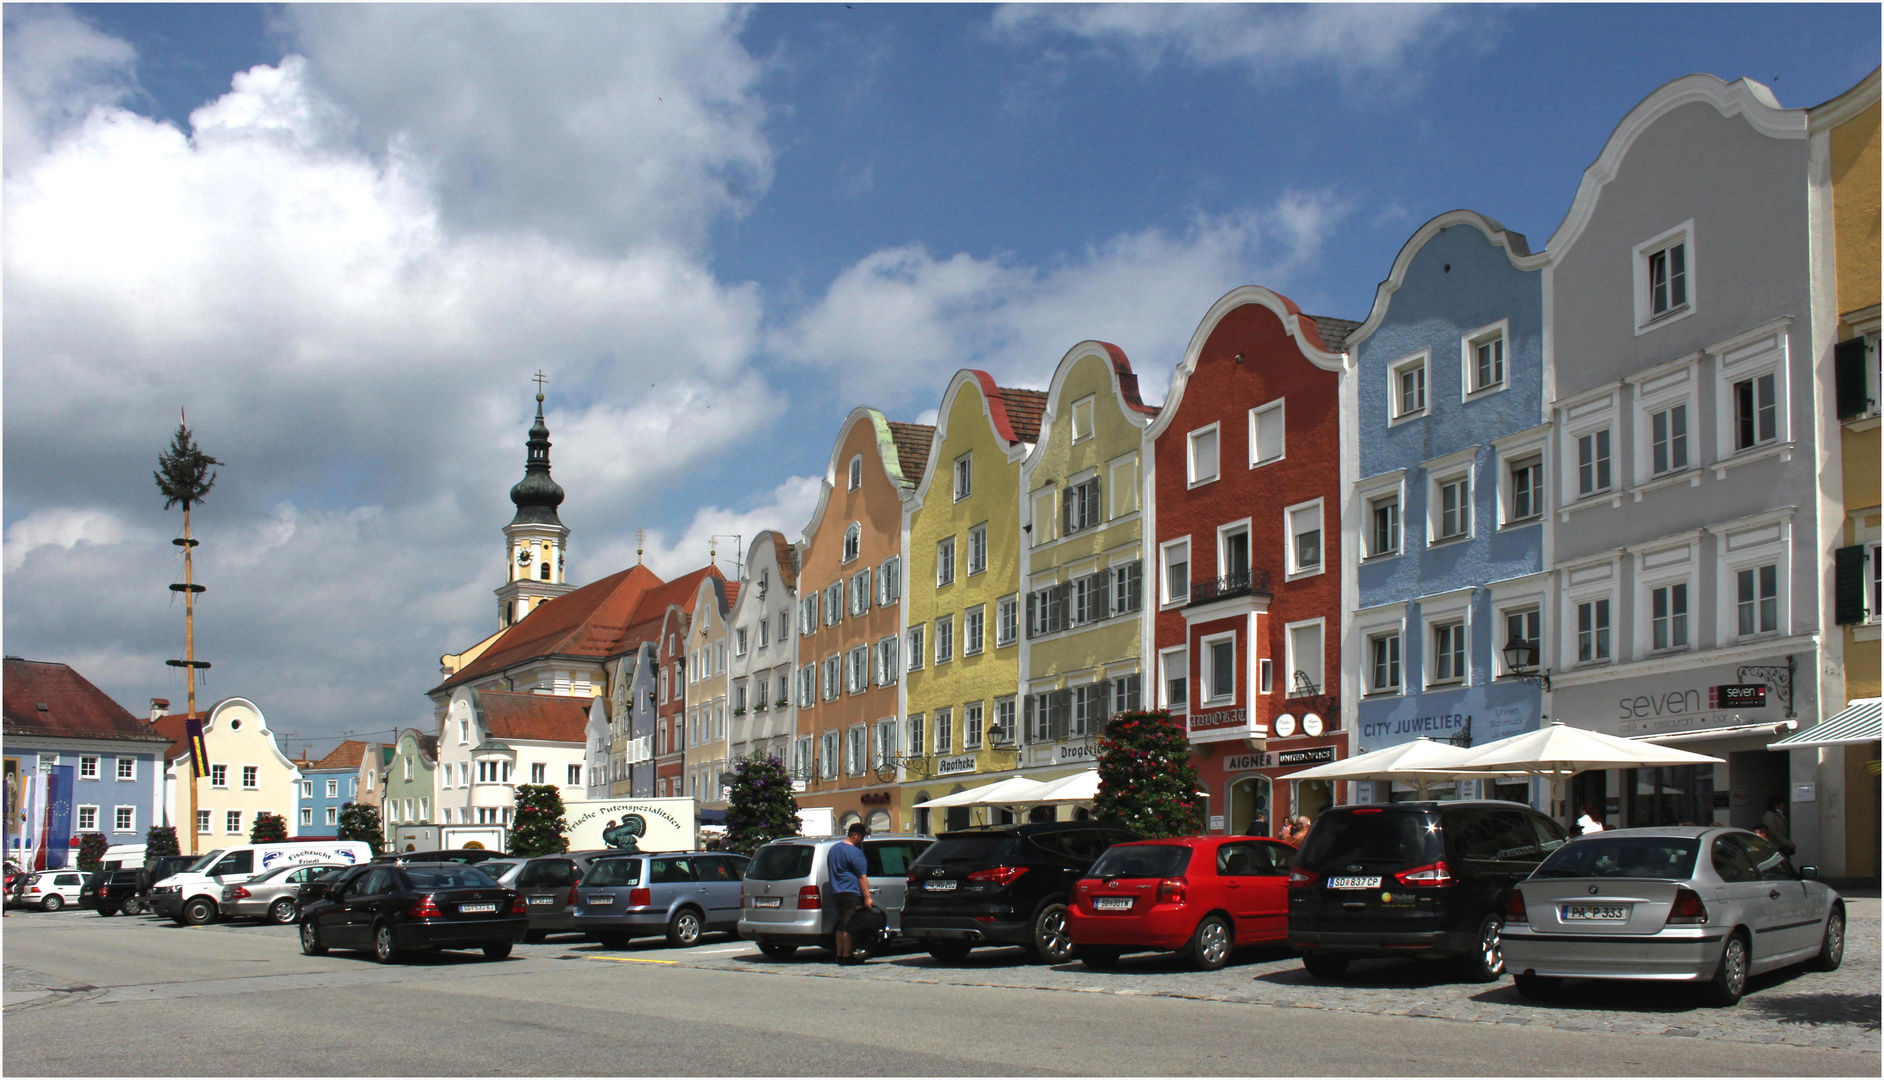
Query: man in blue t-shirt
[[850, 889]]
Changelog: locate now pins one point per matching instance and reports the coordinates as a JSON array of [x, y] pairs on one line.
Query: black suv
[[1417, 879], [109, 892], [1002, 885]]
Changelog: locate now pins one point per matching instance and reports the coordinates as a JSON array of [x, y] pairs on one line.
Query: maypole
[[183, 476]]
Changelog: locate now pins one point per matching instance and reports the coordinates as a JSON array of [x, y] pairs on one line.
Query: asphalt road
[[102, 997]]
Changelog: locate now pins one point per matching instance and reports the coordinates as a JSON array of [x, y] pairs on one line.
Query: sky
[[343, 237]]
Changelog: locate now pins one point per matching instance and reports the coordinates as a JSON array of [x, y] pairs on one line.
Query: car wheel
[[1098, 956], [52, 902], [283, 911], [1539, 986], [385, 948], [1325, 965], [683, 930], [1210, 945], [1730, 978], [107, 912], [498, 951], [777, 950], [612, 939], [949, 952], [1832, 946], [311, 940], [1487, 962], [535, 937], [198, 912], [1053, 938]]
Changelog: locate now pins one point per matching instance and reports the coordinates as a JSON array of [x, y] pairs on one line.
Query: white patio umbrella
[[1014, 791], [1559, 751], [1420, 762], [1081, 787]]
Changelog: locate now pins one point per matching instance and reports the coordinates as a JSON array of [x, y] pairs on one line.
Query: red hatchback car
[[1199, 895]]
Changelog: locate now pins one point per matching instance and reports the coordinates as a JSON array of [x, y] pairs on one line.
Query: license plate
[[1595, 913], [766, 901], [601, 901], [474, 909], [940, 886], [542, 901], [1112, 903], [1354, 883]]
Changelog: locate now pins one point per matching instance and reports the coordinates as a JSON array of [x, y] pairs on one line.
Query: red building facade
[[1247, 478]]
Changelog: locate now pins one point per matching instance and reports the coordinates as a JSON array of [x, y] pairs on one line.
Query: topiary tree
[[161, 840], [91, 848], [537, 827], [358, 821], [269, 829], [1146, 780], [759, 806]]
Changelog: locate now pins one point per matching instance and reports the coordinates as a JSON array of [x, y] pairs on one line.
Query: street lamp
[[1521, 659]]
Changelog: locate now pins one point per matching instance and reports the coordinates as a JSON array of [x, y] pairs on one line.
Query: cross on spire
[[539, 378]]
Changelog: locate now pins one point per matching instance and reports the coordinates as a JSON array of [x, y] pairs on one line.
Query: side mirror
[[1808, 873]]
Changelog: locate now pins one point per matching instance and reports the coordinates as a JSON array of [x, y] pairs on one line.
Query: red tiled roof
[[170, 726], [731, 590], [1128, 379], [345, 756], [74, 708], [912, 447], [1024, 410], [786, 557], [539, 717]]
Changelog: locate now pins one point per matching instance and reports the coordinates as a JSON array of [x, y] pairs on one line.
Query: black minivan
[[1414, 879], [1002, 885]]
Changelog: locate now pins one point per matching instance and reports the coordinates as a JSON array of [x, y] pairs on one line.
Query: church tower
[[536, 538]]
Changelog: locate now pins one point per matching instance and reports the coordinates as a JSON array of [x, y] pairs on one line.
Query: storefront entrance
[[1312, 797], [1757, 775], [1249, 800]]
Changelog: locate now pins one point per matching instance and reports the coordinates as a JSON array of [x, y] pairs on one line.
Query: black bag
[[867, 926]]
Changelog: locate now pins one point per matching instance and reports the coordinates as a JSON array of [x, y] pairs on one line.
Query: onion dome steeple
[[536, 495]]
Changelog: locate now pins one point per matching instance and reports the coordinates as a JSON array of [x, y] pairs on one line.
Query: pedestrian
[[1296, 831], [1778, 829], [1258, 824], [849, 886], [1589, 822]]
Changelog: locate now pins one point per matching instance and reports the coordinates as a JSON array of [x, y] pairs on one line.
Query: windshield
[[1142, 861], [201, 864], [1397, 839], [613, 872], [985, 849], [466, 877], [1624, 856], [782, 862]]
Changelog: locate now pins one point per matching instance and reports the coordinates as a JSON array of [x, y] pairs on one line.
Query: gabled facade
[[409, 809], [1445, 526], [1246, 461], [248, 774], [961, 641], [621, 725], [706, 692], [490, 742], [763, 652], [1080, 611]]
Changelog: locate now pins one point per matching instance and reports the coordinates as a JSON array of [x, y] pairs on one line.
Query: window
[[1384, 671], [1667, 280], [1128, 587], [1449, 652], [973, 625], [915, 647], [1081, 506], [1304, 539], [1756, 411], [1668, 617], [333, 815], [1408, 388], [853, 541], [1002, 731], [1082, 419], [1174, 677], [945, 639], [827, 755], [807, 623], [1088, 597], [1485, 362], [860, 592], [539, 773], [307, 815], [1527, 488], [1007, 619], [1305, 658], [944, 731], [971, 726], [1266, 443], [945, 562], [1523, 626], [887, 664], [977, 549], [1669, 439], [1593, 474], [333, 789], [856, 472], [127, 768], [832, 665], [1202, 459], [1049, 610], [739, 642], [1042, 524], [202, 821], [1455, 508], [88, 767], [857, 670], [917, 745], [1219, 670], [1383, 515], [1265, 676], [88, 818], [886, 742], [784, 625], [232, 821], [1124, 487], [1126, 695], [1088, 705], [890, 580], [219, 776], [1177, 571], [964, 476], [1757, 600], [833, 603], [1593, 631]]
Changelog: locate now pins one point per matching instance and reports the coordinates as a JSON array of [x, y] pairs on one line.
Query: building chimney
[[159, 707]]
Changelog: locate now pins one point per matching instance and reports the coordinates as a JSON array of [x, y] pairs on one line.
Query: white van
[[122, 857], [190, 896]]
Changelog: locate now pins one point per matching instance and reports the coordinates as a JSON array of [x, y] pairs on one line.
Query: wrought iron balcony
[[1241, 583]]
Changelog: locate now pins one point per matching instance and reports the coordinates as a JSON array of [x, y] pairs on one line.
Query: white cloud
[[1370, 45], [58, 69], [63, 527], [901, 321], [786, 510]]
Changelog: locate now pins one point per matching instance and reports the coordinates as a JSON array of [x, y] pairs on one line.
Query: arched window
[[543, 572], [853, 541]]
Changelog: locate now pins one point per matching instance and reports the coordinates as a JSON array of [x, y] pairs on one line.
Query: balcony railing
[[1240, 583]]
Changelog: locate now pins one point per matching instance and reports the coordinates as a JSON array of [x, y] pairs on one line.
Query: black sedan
[[391, 910]]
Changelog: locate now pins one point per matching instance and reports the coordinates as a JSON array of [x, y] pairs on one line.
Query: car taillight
[[809, 899], [911, 879], [1172, 889], [1514, 908], [240, 893], [1429, 876], [999, 875], [1300, 878], [425, 908], [640, 897], [1687, 909], [1371, 810], [572, 896], [517, 906]]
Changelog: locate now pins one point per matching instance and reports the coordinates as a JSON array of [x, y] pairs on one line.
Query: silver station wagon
[[787, 898], [1711, 906], [680, 895]]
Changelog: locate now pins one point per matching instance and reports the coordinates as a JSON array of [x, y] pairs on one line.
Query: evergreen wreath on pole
[[269, 829], [1146, 780], [759, 805], [358, 821], [537, 827], [161, 840]]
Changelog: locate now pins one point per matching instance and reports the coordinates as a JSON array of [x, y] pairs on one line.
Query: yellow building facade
[[248, 774]]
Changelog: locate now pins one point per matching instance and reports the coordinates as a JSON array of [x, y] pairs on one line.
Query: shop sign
[[1406, 728], [1216, 822], [949, 766], [874, 798], [1737, 696], [1314, 755], [1086, 751], [1219, 719], [1240, 762]]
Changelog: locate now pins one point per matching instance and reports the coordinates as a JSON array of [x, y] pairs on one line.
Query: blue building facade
[[1447, 518], [326, 786]]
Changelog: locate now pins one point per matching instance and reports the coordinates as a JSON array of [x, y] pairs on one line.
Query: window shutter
[[1854, 398], [1848, 587], [1059, 599], [863, 591], [1068, 522], [1032, 623], [1100, 604], [1091, 508]]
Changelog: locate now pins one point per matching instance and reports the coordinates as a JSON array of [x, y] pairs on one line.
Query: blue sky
[[344, 236]]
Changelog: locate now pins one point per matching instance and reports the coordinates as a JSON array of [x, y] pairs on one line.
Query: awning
[[1859, 723], [1734, 731]]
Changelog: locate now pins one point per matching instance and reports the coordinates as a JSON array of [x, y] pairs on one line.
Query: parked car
[[110, 892], [393, 910], [191, 896], [1701, 905], [680, 894], [274, 895], [1003, 885], [1201, 896], [544, 883], [1414, 879], [50, 890], [786, 901], [472, 856]]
